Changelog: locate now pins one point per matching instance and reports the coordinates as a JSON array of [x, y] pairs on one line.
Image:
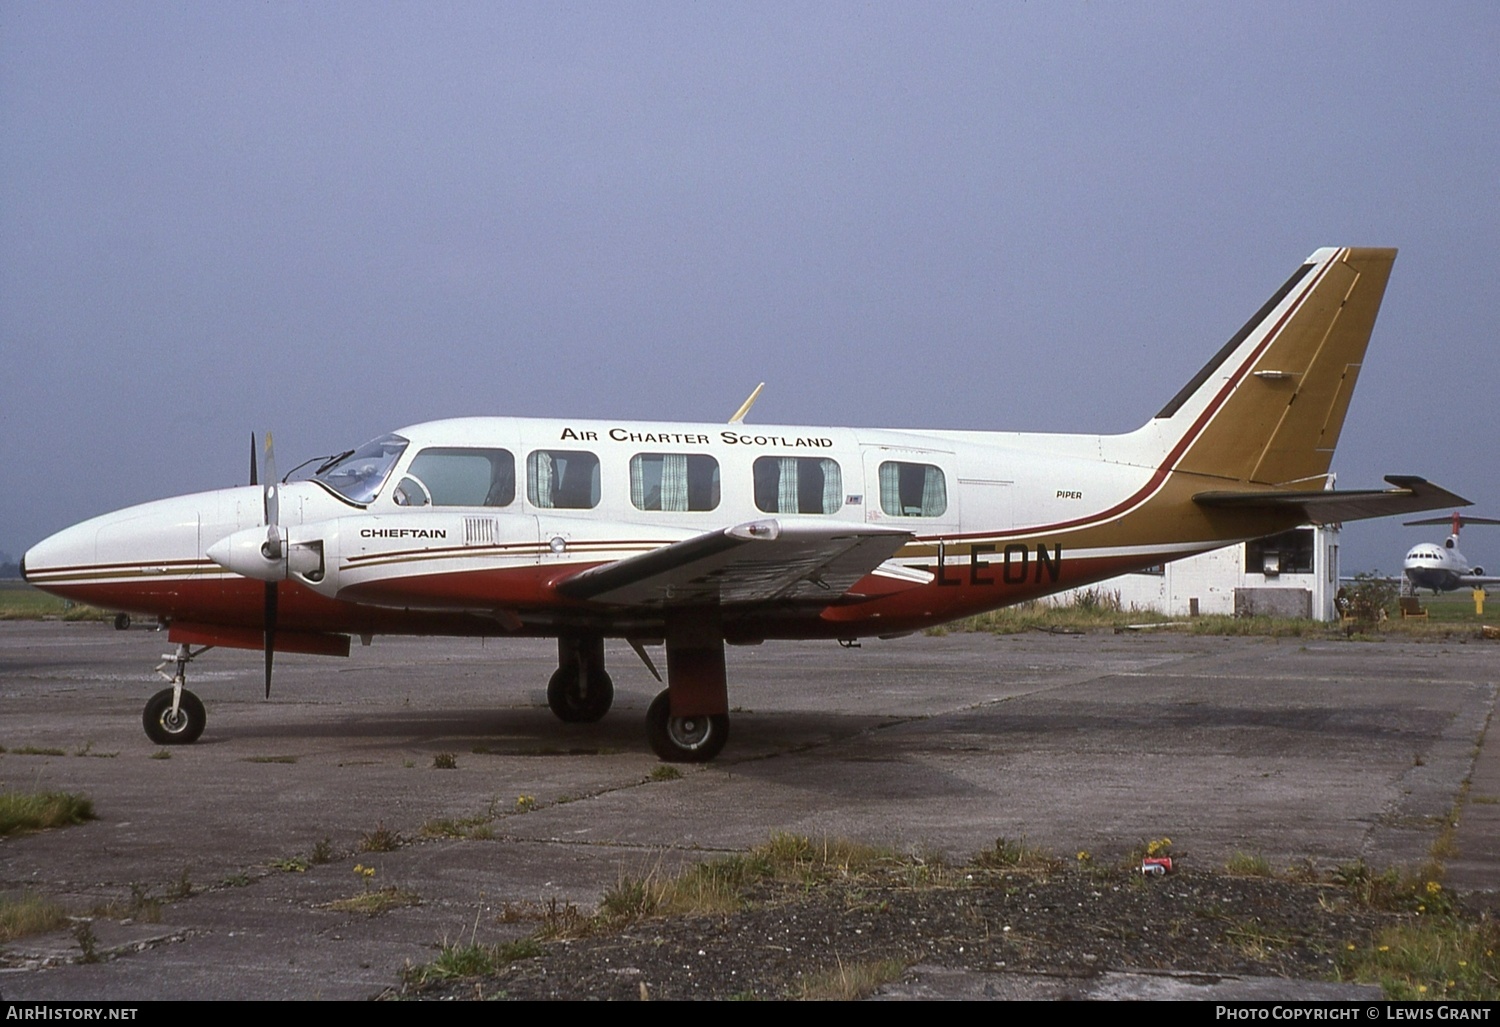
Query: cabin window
[[459, 477], [674, 481], [560, 479], [912, 490], [798, 484]]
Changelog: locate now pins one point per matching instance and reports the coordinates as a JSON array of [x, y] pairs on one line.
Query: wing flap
[[1411, 495], [789, 561]]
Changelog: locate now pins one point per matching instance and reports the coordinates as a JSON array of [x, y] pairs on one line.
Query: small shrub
[[322, 852], [382, 839], [445, 761]]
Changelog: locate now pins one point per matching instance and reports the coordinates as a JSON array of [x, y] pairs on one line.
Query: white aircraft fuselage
[[694, 535]]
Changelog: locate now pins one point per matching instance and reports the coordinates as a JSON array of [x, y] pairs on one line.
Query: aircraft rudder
[[1270, 405]]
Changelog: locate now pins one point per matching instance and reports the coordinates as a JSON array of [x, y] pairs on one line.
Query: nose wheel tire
[[164, 727], [569, 704], [695, 739]]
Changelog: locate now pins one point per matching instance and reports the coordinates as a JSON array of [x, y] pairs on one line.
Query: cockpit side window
[[359, 476], [454, 476]]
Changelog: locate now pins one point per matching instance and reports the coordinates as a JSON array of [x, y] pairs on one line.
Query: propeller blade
[[254, 479], [271, 598], [272, 495]]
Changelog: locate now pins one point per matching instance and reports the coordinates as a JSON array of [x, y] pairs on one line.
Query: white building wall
[[1212, 578]]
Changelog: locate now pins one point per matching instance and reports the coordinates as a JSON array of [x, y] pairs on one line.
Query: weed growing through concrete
[[525, 803], [29, 913], [37, 811], [445, 761], [322, 852], [161, 754], [373, 903], [382, 839], [83, 933]]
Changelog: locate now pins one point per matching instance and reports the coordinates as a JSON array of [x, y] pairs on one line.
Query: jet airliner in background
[[691, 536], [1441, 567]]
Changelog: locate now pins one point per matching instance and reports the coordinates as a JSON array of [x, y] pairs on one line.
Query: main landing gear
[[580, 692], [688, 722], [175, 716]]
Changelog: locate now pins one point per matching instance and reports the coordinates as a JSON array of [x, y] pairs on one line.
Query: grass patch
[[665, 772], [161, 754], [849, 982], [21, 601], [458, 827], [30, 914], [322, 852], [1248, 864], [292, 865], [1430, 958], [38, 750], [38, 811], [1009, 854], [270, 759], [459, 962], [445, 761], [722, 885], [373, 903]]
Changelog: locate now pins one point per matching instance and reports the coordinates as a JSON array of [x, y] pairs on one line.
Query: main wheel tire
[[572, 708], [122, 621], [163, 728], [684, 739]]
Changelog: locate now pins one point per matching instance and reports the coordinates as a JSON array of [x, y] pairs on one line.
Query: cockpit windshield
[[358, 475]]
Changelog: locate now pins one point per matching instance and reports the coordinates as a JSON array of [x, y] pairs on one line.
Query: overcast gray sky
[[334, 219]]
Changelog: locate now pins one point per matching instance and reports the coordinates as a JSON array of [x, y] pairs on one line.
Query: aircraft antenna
[[739, 415]]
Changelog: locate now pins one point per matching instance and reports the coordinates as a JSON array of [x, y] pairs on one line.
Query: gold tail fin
[[1269, 407]]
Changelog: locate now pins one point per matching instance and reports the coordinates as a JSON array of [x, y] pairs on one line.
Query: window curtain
[[540, 473], [833, 487], [934, 493], [890, 489], [786, 488], [638, 482], [674, 481]]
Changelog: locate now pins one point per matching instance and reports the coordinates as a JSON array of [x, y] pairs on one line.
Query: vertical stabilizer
[[1269, 407]]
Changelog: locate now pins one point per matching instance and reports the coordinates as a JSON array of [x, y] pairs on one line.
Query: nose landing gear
[[175, 716]]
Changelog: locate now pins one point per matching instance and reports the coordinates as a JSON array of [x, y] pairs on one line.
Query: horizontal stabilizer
[[1411, 495], [1462, 520], [748, 563]]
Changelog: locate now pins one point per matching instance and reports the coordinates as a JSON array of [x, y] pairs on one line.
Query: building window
[[1290, 552], [559, 479], [674, 481], [798, 484]]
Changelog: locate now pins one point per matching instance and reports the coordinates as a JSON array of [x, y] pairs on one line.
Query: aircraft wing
[[788, 561], [1324, 506]]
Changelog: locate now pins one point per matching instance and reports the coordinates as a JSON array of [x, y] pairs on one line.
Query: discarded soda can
[[1156, 865]]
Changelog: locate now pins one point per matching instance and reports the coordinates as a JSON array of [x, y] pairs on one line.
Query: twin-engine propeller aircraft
[[694, 535], [1441, 567]]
